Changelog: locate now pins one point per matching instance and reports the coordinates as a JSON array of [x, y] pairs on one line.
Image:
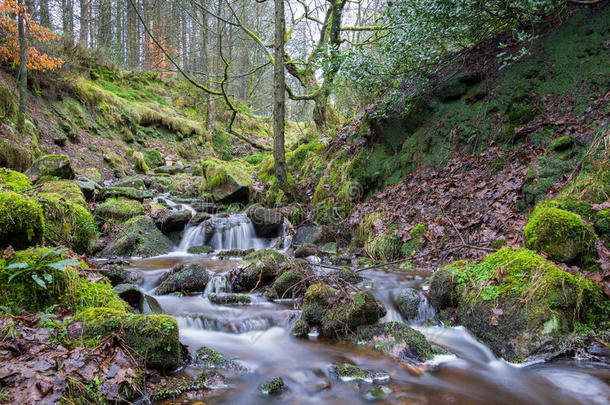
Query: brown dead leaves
[[34, 371], [467, 202]]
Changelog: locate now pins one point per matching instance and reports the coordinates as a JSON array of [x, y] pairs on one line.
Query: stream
[[258, 337]]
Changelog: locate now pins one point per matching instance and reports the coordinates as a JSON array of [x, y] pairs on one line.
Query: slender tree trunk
[[279, 98], [207, 66], [68, 22], [23, 68], [84, 22], [133, 46], [45, 17]]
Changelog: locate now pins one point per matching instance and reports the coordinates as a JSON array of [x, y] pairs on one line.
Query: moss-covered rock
[[396, 339], [138, 237], [337, 315], [185, 279], [92, 174], [68, 190], [53, 166], [68, 222], [131, 182], [153, 158], [11, 180], [21, 221], [153, 338], [125, 192], [561, 234], [267, 222], [211, 359], [348, 372], [119, 209], [260, 269], [39, 278], [287, 285], [602, 223], [562, 143], [175, 389], [408, 303], [226, 181], [519, 304], [200, 250], [273, 386]]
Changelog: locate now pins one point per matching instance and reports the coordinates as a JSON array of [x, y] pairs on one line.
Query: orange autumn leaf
[[9, 38]]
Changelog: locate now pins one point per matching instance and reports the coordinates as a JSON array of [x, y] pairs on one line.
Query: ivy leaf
[[39, 281], [17, 266], [62, 264]]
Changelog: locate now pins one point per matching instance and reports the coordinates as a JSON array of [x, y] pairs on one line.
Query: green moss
[[273, 386], [51, 165], [64, 188], [316, 302], [153, 158], [226, 181], [230, 299], [42, 277], [287, 284], [139, 237], [561, 234], [200, 250], [68, 222], [351, 372], [209, 358], [602, 222], [91, 173], [8, 108], [153, 338], [119, 209], [21, 221], [562, 143], [511, 299], [356, 310], [13, 181]]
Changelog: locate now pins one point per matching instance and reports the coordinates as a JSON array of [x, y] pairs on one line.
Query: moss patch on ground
[[21, 221]]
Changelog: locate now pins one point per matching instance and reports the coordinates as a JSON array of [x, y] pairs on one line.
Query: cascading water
[[258, 335], [223, 233]]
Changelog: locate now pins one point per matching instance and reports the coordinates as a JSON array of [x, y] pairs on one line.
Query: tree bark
[[84, 22], [23, 68], [67, 14], [279, 98]]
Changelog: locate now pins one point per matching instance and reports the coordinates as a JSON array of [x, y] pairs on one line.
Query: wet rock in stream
[[261, 268], [208, 358], [273, 386], [138, 237], [348, 372], [200, 250], [397, 340], [229, 299], [176, 388], [186, 279]]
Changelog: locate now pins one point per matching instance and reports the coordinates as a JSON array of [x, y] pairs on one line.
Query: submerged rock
[[397, 340], [518, 303], [138, 237], [52, 166], [200, 250], [335, 314], [171, 221], [273, 386], [408, 302], [260, 269], [348, 372], [153, 338], [186, 279], [139, 301], [229, 299]]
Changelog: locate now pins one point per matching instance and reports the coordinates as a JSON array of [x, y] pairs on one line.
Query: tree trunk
[[133, 47], [45, 17], [23, 68], [84, 22], [279, 98], [67, 14]]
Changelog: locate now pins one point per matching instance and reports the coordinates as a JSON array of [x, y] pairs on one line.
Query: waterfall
[[223, 233], [163, 199], [218, 284], [425, 312]]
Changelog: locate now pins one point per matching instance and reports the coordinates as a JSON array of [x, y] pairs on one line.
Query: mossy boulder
[[68, 222], [602, 223], [11, 180], [227, 182], [185, 279], [348, 372], [260, 269], [562, 143], [138, 237], [153, 158], [53, 166], [396, 339], [208, 358], [561, 234], [335, 314], [125, 192], [91, 174], [273, 386], [131, 182], [119, 209], [138, 162], [35, 279], [229, 299], [288, 284], [21, 221], [518, 303], [68, 190], [137, 299], [153, 338], [200, 250], [408, 303]]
